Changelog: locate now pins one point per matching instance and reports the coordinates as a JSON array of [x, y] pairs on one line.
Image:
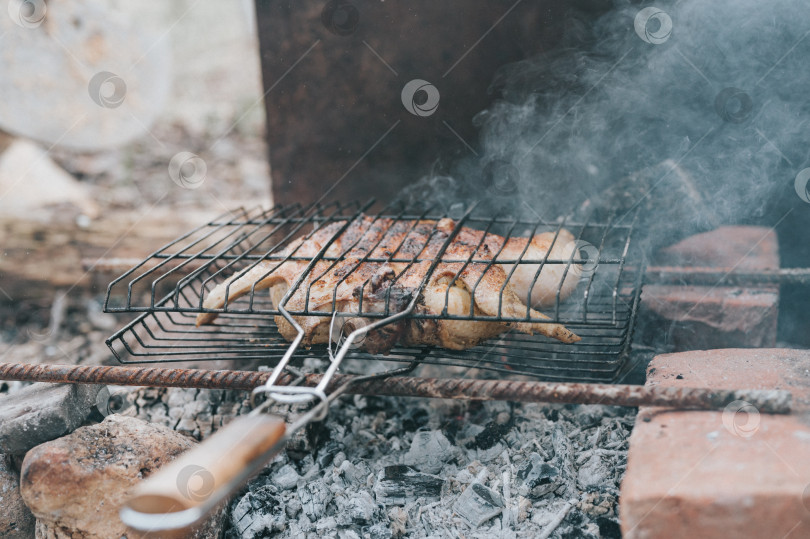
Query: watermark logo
[[27, 13], [43, 336], [195, 482], [587, 251], [653, 25], [342, 325], [741, 419], [187, 170], [108, 403], [503, 176], [107, 90], [802, 184], [420, 98], [340, 17], [733, 105]]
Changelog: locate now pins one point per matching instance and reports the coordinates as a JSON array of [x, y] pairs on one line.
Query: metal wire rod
[[765, 401], [710, 276]]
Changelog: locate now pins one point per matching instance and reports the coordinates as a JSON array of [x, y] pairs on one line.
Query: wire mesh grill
[[169, 287]]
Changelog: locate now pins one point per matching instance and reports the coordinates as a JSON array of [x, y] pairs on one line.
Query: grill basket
[[168, 287]]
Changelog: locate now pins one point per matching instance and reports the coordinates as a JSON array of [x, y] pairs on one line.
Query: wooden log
[[38, 257]]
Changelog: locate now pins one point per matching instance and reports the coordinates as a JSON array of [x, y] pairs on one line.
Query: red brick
[[691, 475], [699, 317]]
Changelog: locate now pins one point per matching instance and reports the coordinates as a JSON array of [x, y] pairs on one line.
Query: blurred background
[[84, 168]]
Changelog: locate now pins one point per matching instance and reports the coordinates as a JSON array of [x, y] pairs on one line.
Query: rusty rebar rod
[[765, 401]]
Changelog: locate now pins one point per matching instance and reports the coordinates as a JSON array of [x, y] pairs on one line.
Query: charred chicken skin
[[351, 284]]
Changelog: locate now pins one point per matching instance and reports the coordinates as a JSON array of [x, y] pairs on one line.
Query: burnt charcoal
[[326, 454], [259, 513], [477, 504], [491, 435], [314, 497], [538, 477], [414, 419], [286, 478], [609, 528], [351, 489], [593, 473], [359, 509], [588, 415], [402, 484], [575, 532], [429, 451], [304, 441], [563, 461], [378, 531]]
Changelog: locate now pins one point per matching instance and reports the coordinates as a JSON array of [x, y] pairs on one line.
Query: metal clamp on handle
[[291, 394]]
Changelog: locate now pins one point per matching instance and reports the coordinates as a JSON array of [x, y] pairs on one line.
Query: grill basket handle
[[182, 493]]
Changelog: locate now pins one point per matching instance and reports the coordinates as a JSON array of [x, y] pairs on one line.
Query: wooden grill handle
[[180, 493]]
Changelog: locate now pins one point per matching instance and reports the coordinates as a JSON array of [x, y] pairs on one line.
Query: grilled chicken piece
[[350, 279]]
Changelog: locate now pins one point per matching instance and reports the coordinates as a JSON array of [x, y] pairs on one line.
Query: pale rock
[[75, 485], [41, 412]]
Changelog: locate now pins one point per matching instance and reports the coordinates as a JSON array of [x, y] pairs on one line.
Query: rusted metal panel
[[334, 73]]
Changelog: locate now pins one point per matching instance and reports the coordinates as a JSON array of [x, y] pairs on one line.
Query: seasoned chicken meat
[[478, 286]]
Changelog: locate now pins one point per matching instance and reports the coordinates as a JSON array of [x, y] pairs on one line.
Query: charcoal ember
[[303, 441], [486, 455], [588, 415], [380, 531], [609, 528], [563, 461], [593, 474], [205, 424], [491, 435], [354, 473], [360, 508], [326, 454], [477, 504], [579, 531], [414, 418], [429, 451], [399, 485], [538, 477], [292, 506], [327, 524], [259, 513], [286, 477], [314, 497]]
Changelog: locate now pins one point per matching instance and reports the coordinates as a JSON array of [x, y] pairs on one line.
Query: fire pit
[[662, 139]]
